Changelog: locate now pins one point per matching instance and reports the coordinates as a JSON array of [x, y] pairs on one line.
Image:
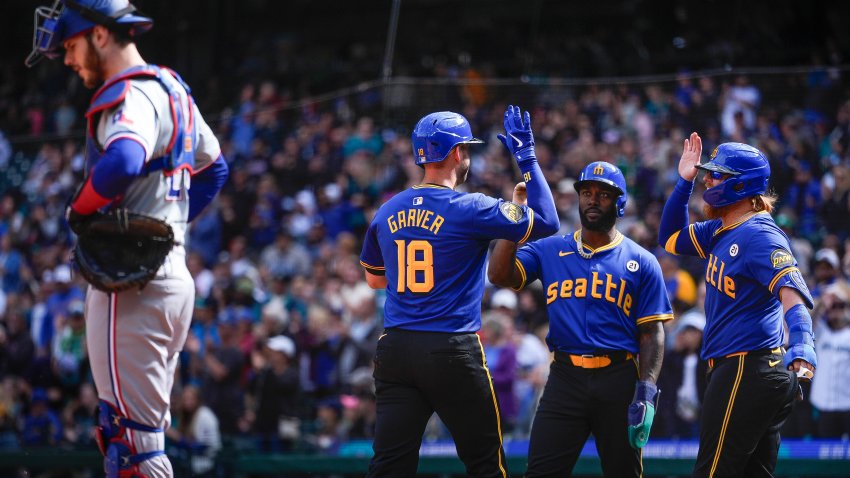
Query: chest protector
[[180, 152]]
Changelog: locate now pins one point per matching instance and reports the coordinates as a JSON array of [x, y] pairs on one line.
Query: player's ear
[[99, 34]]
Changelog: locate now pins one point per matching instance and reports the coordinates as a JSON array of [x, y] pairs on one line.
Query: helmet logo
[[632, 266], [714, 153], [599, 170], [733, 251]]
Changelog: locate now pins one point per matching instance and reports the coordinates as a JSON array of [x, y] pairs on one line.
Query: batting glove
[[519, 139], [642, 413]]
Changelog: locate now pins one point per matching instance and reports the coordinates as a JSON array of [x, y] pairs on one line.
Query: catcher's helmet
[[68, 18], [749, 172], [437, 133], [609, 175]]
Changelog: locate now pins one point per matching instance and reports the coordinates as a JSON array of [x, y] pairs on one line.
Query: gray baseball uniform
[[134, 337]]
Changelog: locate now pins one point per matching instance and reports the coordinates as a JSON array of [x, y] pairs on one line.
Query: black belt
[[752, 353]]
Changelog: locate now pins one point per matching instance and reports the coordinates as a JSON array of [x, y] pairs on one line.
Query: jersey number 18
[[413, 257]]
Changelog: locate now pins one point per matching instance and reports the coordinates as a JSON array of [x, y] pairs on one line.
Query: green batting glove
[[642, 412]]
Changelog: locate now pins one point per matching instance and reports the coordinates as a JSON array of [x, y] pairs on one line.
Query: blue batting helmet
[[609, 175], [747, 167], [68, 18], [437, 133]]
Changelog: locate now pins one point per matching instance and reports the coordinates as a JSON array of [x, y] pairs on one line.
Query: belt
[[591, 361], [751, 353]]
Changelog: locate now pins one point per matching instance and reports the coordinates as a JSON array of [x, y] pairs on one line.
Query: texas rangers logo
[[632, 266], [120, 117], [511, 211], [733, 251]]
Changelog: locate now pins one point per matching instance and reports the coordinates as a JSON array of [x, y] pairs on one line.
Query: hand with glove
[[76, 221], [518, 137], [642, 412]]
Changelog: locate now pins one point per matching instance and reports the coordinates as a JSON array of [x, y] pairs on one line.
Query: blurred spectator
[[803, 196], [742, 99], [41, 425], [64, 291], [533, 358], [274, 394], [683, 378], [826, 270], [69, 347], [16, 347], [327, 431], [221, 370], [500, 351], [196, 432], [79, 418], [10, 410], [285, 257], [830, 391]]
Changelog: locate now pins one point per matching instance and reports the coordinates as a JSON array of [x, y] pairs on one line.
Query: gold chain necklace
[[588, 255]]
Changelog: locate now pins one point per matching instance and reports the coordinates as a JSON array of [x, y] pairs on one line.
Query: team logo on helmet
[[780, 258], [599, 169], [632, 266], [511, 211], [714, 153]]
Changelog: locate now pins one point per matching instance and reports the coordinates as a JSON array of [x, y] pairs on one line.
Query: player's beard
[[712, 212], [94, 64], [604, 223], [463, 171]]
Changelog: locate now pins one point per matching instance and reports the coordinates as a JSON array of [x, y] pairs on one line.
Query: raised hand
[[691, 154], [518, 138]]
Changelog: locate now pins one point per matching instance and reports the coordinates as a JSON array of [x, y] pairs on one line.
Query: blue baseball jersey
[[431, 243], [595, 304], [747, 263]]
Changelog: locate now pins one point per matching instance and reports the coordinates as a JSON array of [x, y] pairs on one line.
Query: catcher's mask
[[69, 18]]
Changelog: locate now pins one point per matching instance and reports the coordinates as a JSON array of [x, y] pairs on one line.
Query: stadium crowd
[[279, 354]]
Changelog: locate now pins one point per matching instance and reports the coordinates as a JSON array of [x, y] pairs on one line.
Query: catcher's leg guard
[[120, 459]]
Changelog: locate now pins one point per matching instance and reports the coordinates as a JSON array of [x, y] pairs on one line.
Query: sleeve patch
[[513, 212], [780, 258], [798, 281]]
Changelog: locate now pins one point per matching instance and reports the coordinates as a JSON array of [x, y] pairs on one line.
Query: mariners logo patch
[[781, 258], [797, 279], [733, 251], [632, 266], [511, 211]]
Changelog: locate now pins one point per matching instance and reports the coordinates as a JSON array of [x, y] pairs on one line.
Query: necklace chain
[[588, 255]]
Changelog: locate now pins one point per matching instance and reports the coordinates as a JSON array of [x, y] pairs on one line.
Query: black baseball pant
[[747, 400], [420, 373], [575, 403]]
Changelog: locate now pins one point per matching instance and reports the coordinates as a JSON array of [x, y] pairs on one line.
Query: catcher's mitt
[[120, 249]]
